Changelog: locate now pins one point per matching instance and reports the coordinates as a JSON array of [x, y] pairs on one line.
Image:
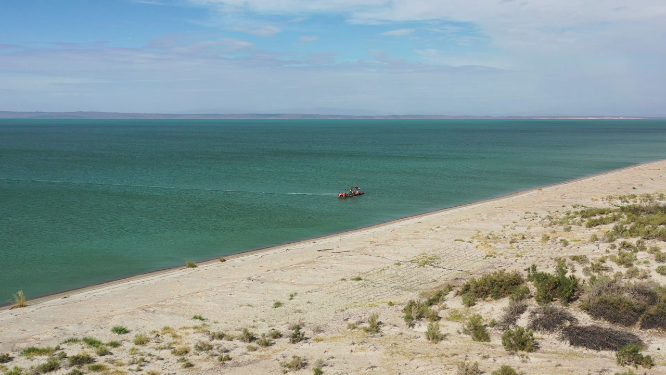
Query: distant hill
[[212, 116]]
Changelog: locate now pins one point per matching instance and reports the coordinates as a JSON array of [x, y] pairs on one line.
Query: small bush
[[190, 264], [433, 334], [92, 342], [113, 344], [357, 278], [72, 340], [75, 372], [549, 319], [511, 314], [223, 259], [248, 336], [496, 285], [564, 241], [277, 304], [631, 355], [181, 351], [97, 367], [102, 351], [598, 338], [660, 257], [34, 351], [19, 300], [274, 334], [298, 335], [51, 365], [661, 270], [6, 358], [373, 324], [120, 330], [199, 317], [296, 363], [504, 370], [655, 317], [252, 348], [141, 339], [264, 341], [469, 299], [188, 364], [224, 358], [317, 371], [417, 310], [521, 293], [468, 368], [203, 346], [519, 339], [79, 360], [476, 329], [618, 303], [551, 287]]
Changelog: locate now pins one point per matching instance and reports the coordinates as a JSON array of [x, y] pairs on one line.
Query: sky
[[359, 57]]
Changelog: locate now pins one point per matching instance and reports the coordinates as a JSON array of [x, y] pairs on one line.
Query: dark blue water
[[86, 201]]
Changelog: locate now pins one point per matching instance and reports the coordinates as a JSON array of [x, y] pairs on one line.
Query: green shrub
[[188, 364], [549, 319], [519, 339], [72, 340], [317, 371], [550, 287], [504, 370], [224, 358], [34, 351], [274, 334], [53, 364], [580, 259], [661, 270], [496, 285], [199, 317], [469, 299], [433, 334], [660, 257], [655, 317], [357, 278], [79, 360], [102, 351], [373, 324], [190, 264], [247, 335], [417, 310], [6, 358], [141, 339], [631, 355], [476, 329], [113, 344], [181, 351], [264, 341], [92, 342], [296, 363], [618, 303], [521, 293], [203, 346], [297, 335], [277, 304], [598, 338], [75, 372], [120, 330], [468, 368], [97, 367]]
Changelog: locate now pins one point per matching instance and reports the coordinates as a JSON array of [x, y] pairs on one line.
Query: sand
[[327, 283]]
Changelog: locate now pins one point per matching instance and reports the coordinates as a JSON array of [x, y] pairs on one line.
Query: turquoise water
[[87, 201]]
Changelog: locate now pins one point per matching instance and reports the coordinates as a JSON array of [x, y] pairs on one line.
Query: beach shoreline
[[169, 270]]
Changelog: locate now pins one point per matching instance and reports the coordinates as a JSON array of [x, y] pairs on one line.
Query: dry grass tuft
[[19, 300]]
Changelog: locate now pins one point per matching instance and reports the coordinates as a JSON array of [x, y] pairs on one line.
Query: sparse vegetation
[[203, 346], [37, 351], [297, 335], [102, 351], [141, 339], [373, 324], [120, 330], [181, 351], [417, 310], [247, 335], [97, 367], [79, 360], [92, 342], [476, 329], [51, 365], [511, 314], [296, 363], [277, 304], [357, 278], [199, 317], [6, 358], [468, 368], [550, 287], [504, 370], [469, 299], [19, 300], [113, 344], [190, 264], [274, 334], [661, 270], [580, 259], [224, 358], [496, 285], [519, 339], [630, 355], [265, 341], [433, 334]]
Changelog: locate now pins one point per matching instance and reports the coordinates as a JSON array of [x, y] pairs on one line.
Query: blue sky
[[466, 57]]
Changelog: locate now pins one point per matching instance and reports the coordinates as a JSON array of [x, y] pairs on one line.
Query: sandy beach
[[327, 283]]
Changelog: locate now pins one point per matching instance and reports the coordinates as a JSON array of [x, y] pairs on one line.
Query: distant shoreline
[[283, 116]]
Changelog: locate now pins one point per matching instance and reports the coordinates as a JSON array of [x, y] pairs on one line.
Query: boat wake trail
[[162, 187]]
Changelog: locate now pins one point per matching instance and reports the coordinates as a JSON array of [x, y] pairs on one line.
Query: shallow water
[[87, 201]]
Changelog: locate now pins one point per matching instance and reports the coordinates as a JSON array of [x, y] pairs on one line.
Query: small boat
[[355, 191]]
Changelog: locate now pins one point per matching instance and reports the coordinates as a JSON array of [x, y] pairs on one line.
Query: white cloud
[[399, 32], [308, 38]]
